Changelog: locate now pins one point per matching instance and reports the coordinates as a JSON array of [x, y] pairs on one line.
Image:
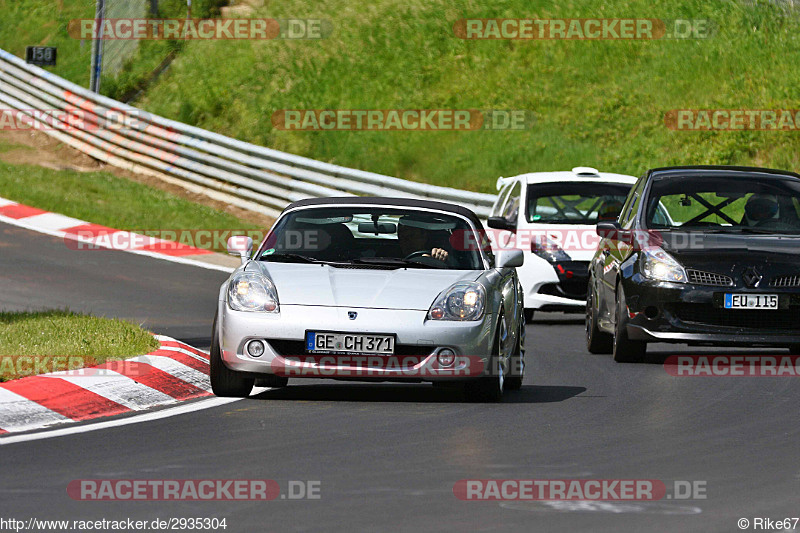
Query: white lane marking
[[144, 417], [18, 413], [116, 387], [4, 202], [174, 259], [53, 221], [177, 369], [613, 507], [185, 352]]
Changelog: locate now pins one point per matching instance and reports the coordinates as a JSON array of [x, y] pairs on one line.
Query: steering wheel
[[418, 253]]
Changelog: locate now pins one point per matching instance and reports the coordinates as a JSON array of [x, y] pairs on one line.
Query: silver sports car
[[371, 289]]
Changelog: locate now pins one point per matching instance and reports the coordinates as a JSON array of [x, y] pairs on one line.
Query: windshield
[[372, 237], [754, 204], [575, 202]]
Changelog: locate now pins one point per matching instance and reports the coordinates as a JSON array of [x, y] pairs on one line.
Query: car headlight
[[549, 250], [462, 301], [248, 291], [659, 265]]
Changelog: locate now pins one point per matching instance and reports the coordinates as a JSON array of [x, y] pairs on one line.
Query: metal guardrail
[[259, 177]]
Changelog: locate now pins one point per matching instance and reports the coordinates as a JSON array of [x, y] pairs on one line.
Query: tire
[[597, 341], [224, 381], [794, 349], [625, 350], [517, 371], [489, 389], [529, 315]]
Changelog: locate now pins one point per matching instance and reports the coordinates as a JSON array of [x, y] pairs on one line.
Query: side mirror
[[607, 229], [500, 223], [240, 245], [613, 231], [509, 258]]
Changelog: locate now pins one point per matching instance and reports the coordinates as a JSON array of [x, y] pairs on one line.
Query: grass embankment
[[105, 199], [109, 200], [597, 103], [45, 23], [46, 341]]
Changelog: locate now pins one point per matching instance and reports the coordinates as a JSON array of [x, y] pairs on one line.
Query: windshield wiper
[[766, 231], [749, 230], [290, 258], [392, 261]]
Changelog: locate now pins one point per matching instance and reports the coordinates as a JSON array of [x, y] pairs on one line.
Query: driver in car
[[413, 238], [759, 209]]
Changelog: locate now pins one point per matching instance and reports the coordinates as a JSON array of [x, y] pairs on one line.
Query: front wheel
[[597, 341], [517, 371], [625, 349], [489, 389], [224, 381]]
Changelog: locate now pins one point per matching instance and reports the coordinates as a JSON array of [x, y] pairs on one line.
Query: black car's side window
[[631, 206]]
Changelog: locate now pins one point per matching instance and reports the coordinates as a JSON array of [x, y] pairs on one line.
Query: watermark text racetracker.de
[[199, 29], [583, 29], [367, 366], [733, 119], [756, 365], [176, 240], [403, 119], [73, 119], [559, 239], [193, 490], [73, 366], [578, 490]]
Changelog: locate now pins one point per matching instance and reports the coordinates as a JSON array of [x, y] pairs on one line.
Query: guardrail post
[[97, 47]]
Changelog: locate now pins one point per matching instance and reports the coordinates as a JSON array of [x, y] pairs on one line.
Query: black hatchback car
[[699, 255]]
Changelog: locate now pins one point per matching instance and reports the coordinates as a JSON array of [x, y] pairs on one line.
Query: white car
[[556, 229]]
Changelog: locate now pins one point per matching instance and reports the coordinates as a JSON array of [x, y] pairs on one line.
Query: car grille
[[699, 277], [758, 319], [785, 281], [292, 348]]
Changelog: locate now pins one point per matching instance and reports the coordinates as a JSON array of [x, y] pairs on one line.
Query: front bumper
[[692, 314], [418, 342], [561, 288]]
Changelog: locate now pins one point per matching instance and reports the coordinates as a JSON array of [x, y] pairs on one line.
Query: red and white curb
[[175, 372], [80, 231]]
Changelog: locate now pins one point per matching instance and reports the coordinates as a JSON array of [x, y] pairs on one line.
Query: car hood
[[698, 249], [324, 285]]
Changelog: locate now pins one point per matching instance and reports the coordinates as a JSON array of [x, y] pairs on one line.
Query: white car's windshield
[[373, 237], [574, 202]]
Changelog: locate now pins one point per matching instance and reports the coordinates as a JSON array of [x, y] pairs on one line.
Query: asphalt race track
[[387, 456], [39, 271]]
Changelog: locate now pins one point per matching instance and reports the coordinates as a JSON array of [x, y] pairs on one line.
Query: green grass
[[44, 23], [597, 103], [105, 199], [62, 340]]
